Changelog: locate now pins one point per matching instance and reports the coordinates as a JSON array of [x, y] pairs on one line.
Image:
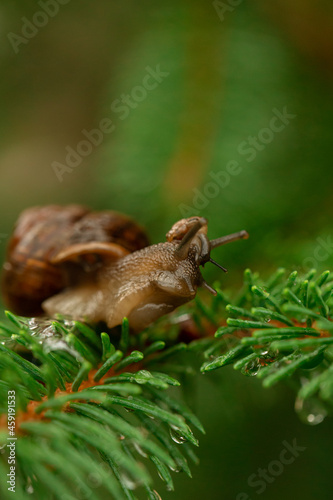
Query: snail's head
[[191, 249]]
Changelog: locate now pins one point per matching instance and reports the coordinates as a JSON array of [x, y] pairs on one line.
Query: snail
[[99, 266]]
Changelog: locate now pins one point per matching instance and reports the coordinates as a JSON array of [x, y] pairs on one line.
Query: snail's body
[[99, 267], [142, 286]]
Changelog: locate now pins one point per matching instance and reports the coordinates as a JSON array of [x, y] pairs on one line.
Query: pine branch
[[94, 408], [82, 401], [280, 329]]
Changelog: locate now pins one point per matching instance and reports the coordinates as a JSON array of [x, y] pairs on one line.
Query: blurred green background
[[224, 71]]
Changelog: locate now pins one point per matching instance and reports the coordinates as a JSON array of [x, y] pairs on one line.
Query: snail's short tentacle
[[204, 284], [218, 265]]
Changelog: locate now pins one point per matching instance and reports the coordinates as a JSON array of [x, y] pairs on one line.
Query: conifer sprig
[[89, 413], [94, 408], [280, 329]]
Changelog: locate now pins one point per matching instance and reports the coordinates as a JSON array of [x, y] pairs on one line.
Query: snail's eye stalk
[[241, 235], [184, 245], [204, 255]]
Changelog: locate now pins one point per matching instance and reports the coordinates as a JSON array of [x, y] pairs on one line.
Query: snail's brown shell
[[53, 247]]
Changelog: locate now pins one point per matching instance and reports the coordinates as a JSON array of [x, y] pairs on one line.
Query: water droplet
[[69, 323], [10, 343], [42, 329], [273, 353], [143, 376], [57, 344], [29, 488], [176, 469], [311, 411], [251, 368], [139, 450], [176, 436], [156, 495], [128, 482], [32, 323], [129, 410]]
